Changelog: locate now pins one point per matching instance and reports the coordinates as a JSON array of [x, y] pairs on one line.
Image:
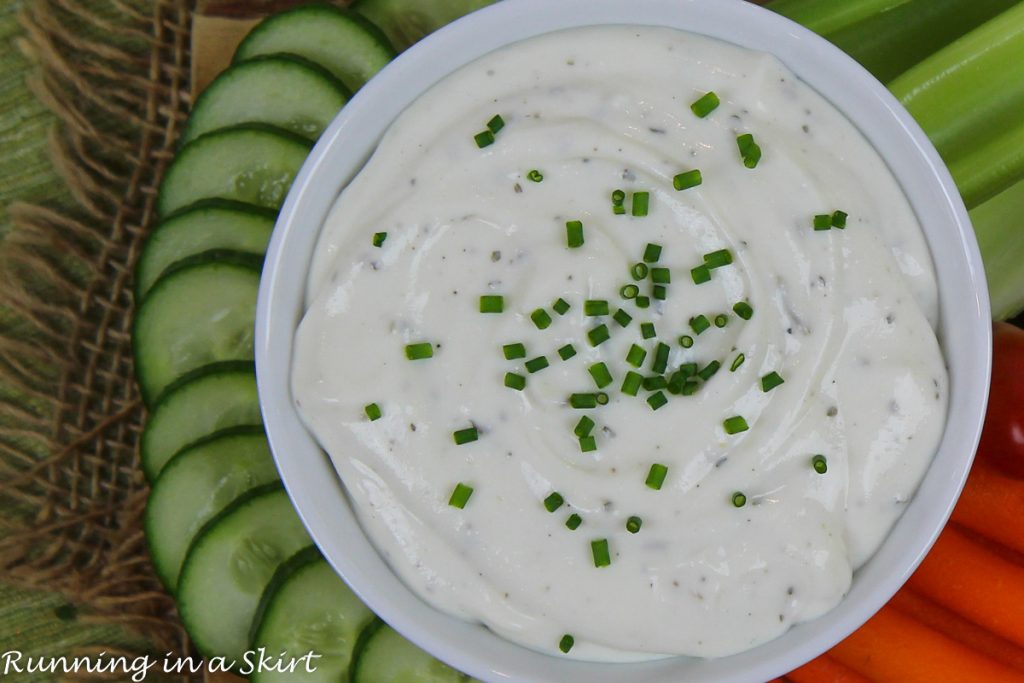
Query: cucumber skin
[[307, 555]]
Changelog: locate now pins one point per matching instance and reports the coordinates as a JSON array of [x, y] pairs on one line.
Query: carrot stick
[[825, 669], [971, 580], [992, 505], [959, 629], [892, 647]]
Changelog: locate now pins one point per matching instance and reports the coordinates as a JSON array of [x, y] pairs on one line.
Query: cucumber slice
[[250, 162], [387, 657], [212, 398], [205, 225], [308, 608], [342, 42], [198, 483], [201, 311], [230, 564], [405, 22], [282, 90]]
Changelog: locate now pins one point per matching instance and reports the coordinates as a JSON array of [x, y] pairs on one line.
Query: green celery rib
[[995, 163], [999, 225], [828, 16]]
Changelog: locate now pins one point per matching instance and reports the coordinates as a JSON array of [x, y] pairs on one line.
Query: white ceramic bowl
[[965, 332]]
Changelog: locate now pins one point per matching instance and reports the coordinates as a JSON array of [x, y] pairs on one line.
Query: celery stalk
[[828, 16], [994, 164], [999, 225]]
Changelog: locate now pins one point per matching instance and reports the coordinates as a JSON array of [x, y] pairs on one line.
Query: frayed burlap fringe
[[116, 77]]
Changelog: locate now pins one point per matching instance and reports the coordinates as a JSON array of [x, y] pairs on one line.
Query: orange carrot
[[892, 647], [825, 669], [971, 580], [992, 505]]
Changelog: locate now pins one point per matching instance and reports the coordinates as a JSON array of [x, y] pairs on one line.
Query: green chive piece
[[659, 292], [657, 400], [595, 307], [373, 411], [709, 370], [583, 401], [602, 398], [419, 351], [633, 524], [717, 259], [822, 221], [464, 436], [686, 341], [602, 377], [641, 203], [639, 271], [618, 197], [706, 104], [561, 306], [636, 355], [553, 501], [572, 522], [688, 369], [690, 387], [661, 276], [743, 310], [535, 176], [378, 238], [584, 427], [655, 382], [622, 318], [599, 549], [598, 335], [514, 351], [574, 234], [484, 139], [566, 643], [460, 496], [647, 331], [770, 381], [739, 499], [656, 476], [631, 384], [749, 150], [619, 210], [676, 383], [700, 274], [699, 323], [737, 362], [536, 364], [566, 352], [588, 444], [661, 352], [642, 302], [735, 425], [496, 123], [721, 320], [514, 381], [839, 219], [541, 319], [492, 303], [652, 253], [687, 180], [819, 464], [629, 291]]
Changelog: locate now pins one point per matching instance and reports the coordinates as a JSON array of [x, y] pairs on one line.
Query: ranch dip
[[762, 386]]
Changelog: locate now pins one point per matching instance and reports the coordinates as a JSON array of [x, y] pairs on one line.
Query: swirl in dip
[[677, 528]]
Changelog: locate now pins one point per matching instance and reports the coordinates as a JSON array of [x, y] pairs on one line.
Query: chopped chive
[[636, 355], [700, 274], [573, 521], [419, 351], [599, 549], [839, 219], [735, 425], [660, 363], [574, 234], [739, 499], [687, 180], [602, 398], [373, 411], [561, 306], [566, 352], [492, 303], [378, 238], [657, 400], [686, 341], [514, 351], [588, 444], [661, 276], [743, 310], [629, 291], [655, 382], [688, 369], [690, 387], [641, 203], [737, 362], [652, 253], [709, 370], [566, 643], [749, 150], [676, 382], [656, 476], [514, 381], [699, 323], [633, 524], [535, 176], [583, 427], [639, 271], [618, 196], [717, 259], [721, 320], [602, 377], [622, 318], [822, 221], [632, 382], [464, 436], [706, 104], [819, 464], [536, 364], [648, 331], [541, 319], [659, 292], [618, 209], [643, 302], [583, 401], [484, 138], [595, 307], [598, 335], [496, 123], [460, 496], [770, 381], [553, 501]]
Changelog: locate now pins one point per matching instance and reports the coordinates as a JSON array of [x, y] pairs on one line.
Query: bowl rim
[[312, 482]]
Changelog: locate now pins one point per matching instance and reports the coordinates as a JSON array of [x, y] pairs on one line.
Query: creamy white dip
[[844, 316]]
